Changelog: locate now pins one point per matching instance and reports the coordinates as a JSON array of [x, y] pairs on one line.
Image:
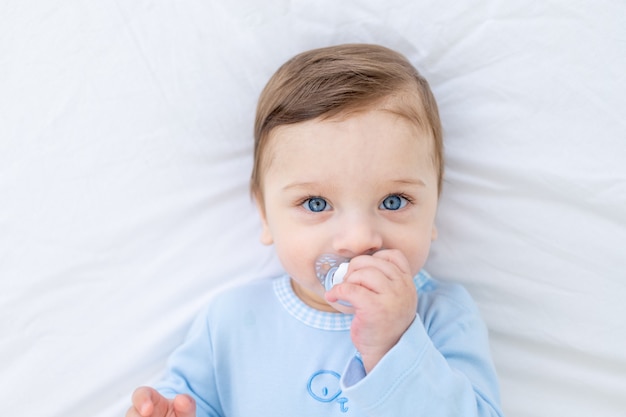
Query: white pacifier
[[331, 269]]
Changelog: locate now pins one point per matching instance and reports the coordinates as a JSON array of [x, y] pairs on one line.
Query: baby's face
[[347, 186]]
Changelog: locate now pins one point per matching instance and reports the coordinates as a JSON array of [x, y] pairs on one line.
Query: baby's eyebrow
[[306, 185], [409, 181], [296, 185]]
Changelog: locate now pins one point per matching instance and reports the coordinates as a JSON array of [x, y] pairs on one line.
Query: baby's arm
[[440, 366], [147, 402]]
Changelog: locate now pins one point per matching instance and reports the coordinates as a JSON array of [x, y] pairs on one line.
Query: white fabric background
[[125, 151]]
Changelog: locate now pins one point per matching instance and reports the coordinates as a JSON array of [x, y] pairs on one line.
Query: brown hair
[[337, 80]]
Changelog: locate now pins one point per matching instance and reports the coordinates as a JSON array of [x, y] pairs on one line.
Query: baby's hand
[[147, 402], [381, 291]]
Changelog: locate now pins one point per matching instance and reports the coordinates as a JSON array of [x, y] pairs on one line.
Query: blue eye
[[315, 204], [393, 202]]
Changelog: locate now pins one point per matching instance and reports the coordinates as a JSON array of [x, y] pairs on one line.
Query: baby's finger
[[371, 278], [357, 296], [149, 403], [395, 258], [184, 406], [142, 402], [391, 263]]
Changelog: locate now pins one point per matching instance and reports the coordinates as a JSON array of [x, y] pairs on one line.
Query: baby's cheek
[[418, 259], [293, 263]]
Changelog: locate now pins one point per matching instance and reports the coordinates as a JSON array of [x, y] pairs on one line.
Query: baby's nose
[[357, 235]]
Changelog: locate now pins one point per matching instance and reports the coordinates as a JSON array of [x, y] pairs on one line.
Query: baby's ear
[[434, 234], [266, 234]]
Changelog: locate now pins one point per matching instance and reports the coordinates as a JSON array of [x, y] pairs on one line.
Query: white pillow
[[125, 152]]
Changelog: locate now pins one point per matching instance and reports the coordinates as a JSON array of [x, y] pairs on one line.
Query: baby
[[348, 167]]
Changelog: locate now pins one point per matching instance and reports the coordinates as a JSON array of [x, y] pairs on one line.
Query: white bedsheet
[[125, 151]]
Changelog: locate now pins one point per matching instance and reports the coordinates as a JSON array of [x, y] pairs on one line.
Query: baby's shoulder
[[243, 292], [437, 295], [246, 297]]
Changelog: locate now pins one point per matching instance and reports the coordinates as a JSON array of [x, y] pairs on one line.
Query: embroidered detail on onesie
[[324, 387]]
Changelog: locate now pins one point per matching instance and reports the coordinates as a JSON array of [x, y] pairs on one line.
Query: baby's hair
[[338, 80]]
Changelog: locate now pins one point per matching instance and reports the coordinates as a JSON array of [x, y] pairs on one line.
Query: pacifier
[[331, 269]]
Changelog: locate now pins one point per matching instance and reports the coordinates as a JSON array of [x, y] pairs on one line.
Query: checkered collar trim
[[321, 319], [311, 317]]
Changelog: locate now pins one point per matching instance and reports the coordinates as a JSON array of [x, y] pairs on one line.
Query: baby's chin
[[312, 295]]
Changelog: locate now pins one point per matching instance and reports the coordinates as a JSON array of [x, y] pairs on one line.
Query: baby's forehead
[[359, 130], [356, 153]]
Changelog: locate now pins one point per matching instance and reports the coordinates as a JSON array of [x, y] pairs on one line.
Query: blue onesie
[[258, 350]]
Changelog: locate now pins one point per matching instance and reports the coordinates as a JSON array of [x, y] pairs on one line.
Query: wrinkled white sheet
[[125, 150]]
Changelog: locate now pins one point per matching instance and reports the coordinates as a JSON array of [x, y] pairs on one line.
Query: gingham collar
[[311, 317], [320, 319]]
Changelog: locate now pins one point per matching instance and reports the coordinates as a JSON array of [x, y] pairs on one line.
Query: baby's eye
[[315, 204], [393, 202]]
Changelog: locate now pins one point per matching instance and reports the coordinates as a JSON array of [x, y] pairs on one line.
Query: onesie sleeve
[[441, 366], [190, 370]]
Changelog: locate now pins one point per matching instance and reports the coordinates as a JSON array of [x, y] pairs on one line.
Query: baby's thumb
[[184, 406]]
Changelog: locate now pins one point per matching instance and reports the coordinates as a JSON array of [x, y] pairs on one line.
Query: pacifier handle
[[331, 270]]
